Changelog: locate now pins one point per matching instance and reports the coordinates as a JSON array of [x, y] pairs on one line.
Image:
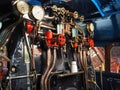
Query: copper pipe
[[85, 68], [99, 55], [52, 67], [80, 56], [46, 24], [47, 69], [48, 17], [57, 72]]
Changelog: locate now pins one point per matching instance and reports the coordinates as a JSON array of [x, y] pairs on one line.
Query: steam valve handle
[[91, 42], [29, 27], [49, 37], [61, 39]]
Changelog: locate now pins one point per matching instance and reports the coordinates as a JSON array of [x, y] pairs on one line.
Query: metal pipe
[[80, 56], [70, 74], [85, 68], [28, 73], [62, 55], [101, 81], [51, 75], [52, 67], [99, 55], [27, 62], [49, 81], [46, 25], [48, 17], [47, 69], [23, 76]]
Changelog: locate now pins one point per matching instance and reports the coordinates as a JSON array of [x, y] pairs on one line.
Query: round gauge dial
[[0, 24], [22, 7], [90, 27], [38, 12]]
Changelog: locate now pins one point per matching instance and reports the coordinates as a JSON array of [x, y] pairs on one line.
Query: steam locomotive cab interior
[[60, 45]]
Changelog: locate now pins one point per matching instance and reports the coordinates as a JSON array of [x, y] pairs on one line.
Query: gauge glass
[[90, 27], [38, 12], [23, 7]]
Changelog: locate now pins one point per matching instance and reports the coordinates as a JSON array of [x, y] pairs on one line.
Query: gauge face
[[38, 12], [23, 7], [90, 27]]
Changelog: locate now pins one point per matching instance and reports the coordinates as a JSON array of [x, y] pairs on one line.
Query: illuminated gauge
[[38, 12], [13, 69], [22, 7], [90, 27], [75, 14], [0, 25]]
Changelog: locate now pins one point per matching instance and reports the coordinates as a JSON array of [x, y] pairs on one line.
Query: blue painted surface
[[98, 5], [111, 81], [107, 31], [113, 7], [34, 2]]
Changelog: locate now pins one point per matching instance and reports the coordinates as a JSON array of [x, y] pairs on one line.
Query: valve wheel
[[61, 39]]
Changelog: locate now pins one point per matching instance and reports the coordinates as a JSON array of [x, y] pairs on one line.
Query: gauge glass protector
[[23, 7], [38, 12]]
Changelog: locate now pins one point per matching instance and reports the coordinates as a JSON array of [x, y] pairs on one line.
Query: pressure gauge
[[38, 12], [90, 27], [0, 24], [22, 7]]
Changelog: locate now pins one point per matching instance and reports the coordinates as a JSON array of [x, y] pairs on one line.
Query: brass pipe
[[50, 70], [47, 69]]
